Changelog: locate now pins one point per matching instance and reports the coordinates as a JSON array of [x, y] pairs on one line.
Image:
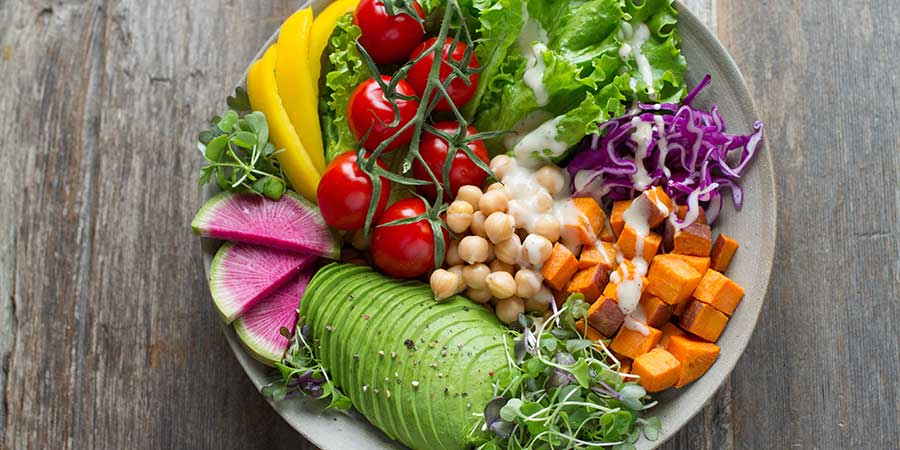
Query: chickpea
[[509, 250], [536, 250], [475, 276], [539, 302], [443, 284], [543, 202], [508, 310], [528, 283], [501, 284], [499, 227], [499, 187], [469, 194], [480, 296], [519, 212], [493, 201], [501, 164], [546, 226], [459, 216], [551, 178], [452, 258], [500, 266], [359, 240], [458, 271], [477, 226], [474, 249], [491, 255]]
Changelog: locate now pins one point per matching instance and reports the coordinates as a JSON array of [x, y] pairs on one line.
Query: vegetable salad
[[521, 196]]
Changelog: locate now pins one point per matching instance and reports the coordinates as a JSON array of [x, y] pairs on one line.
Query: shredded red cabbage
[[689, 154]]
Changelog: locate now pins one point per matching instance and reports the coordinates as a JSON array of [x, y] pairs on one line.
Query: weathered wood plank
[[821, 369]]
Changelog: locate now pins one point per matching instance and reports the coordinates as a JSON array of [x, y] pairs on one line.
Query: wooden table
[[107, 338]]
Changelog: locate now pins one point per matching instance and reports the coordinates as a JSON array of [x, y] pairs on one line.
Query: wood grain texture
[[107, 340]]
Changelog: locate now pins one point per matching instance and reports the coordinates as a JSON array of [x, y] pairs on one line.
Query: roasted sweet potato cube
[[587, 332], [699, 263], [703, 320], [628, 243], [625, 367], [591, 212], [669, 329], [672, 280], [633, 343], [602, 254], [722, 251], [589, 282], [658, 369], [719, 291], [696, 357], [558, 270], [679, 308], [656, 204], [606, 234], [656, 311], [625, 271], [681, 213], [617, 218], [694, 240], [605, 316], [578, 232]]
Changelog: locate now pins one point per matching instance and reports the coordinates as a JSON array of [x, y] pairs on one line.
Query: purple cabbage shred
[[690, 155]]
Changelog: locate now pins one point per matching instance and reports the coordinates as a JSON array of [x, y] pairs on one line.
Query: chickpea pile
[[502, 244]]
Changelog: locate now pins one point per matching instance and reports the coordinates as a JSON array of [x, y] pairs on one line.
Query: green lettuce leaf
[[585, 78], [345, 71]]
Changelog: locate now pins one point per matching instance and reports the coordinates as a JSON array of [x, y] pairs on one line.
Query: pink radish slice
[[290, 224], [241, 275], [260, 328]]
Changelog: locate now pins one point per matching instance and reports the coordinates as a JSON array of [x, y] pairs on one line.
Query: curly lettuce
[[345, 71], [579, 62]]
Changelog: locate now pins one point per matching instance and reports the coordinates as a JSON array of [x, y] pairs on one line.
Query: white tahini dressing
[[532, 43], [662, 143], [542, 141], [628, 287], [633, 38], [643, 137], [528, 124]]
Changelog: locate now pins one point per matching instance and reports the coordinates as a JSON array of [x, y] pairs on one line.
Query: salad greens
[[346, 70], [238, 153], [561, 391], [579, 62]]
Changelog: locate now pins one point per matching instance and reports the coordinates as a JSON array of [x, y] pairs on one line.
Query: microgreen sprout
[[562, 391]]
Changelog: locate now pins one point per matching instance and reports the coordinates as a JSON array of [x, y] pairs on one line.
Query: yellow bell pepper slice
[[295, 84], [323, 27], [293, 157]]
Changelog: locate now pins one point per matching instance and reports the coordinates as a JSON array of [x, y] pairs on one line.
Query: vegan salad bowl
[[491, 224]]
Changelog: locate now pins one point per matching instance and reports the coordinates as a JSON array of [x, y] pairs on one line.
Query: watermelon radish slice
[[241, 275], [260, 329], [290, 224]]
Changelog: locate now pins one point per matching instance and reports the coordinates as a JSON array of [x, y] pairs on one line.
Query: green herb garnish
[[238, 153], [562, 391]]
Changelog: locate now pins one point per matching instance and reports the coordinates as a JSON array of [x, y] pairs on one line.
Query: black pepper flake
[[465, 394], [398, 381], [409, 344], [444, 347], [366, 317], [466, 308], [356, 357], [350, 298], [446, 390], [329, 328]]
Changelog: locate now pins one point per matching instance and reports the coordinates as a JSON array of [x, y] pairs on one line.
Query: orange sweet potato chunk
[[672, 280], [699, 263], [658, 205], [681, 212], [632, 343], [617, 218], [703, 320], [679, 308], [657, 311], [603, 254], [592, 212], [588, 282], [658, 369], [696, 357], [722, 252], [606, 234], [627, 244], [694, 240], [558, 270], [669, 330], [605, 316], [719, 291]]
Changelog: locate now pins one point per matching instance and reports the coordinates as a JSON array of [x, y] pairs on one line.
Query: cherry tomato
[[345, 191], [463, 171], [387, 39], [368, 108], [460, 91], [404, 251]]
